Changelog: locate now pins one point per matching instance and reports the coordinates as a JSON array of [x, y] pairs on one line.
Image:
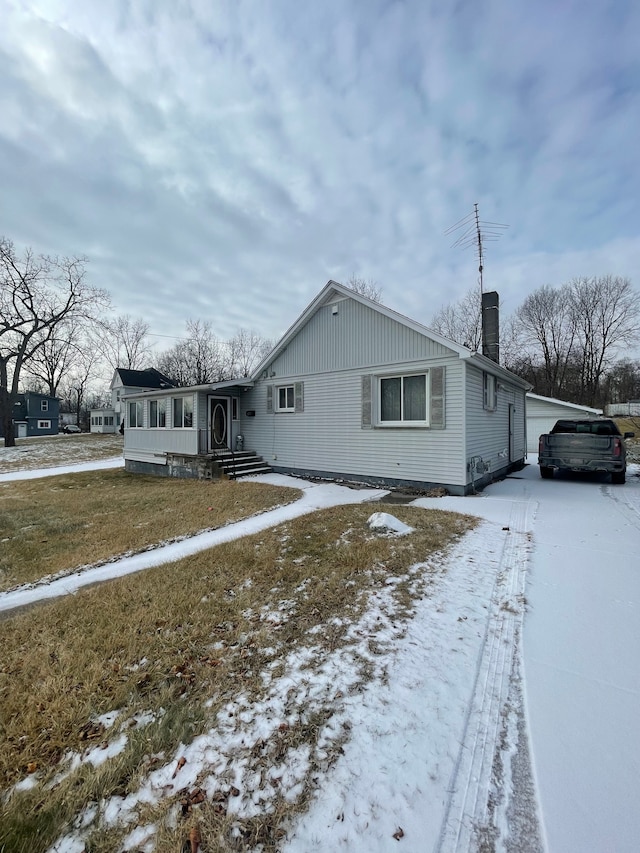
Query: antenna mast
[[475, 233]]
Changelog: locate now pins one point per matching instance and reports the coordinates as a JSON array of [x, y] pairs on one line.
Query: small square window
[[403, 400], [286, 399]]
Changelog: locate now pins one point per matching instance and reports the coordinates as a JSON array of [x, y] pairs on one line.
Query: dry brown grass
[[58, 523], [629, 424], [200, 626]]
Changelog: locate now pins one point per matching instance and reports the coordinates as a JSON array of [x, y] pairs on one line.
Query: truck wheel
[[617, 478], [546, 473]]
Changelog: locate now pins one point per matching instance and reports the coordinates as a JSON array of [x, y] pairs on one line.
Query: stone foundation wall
[[180, 466]]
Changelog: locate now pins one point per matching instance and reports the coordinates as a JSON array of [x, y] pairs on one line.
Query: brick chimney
[[491, 326]]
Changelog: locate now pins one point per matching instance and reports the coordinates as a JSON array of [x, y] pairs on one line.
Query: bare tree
[[56, 357], [462, 321], [76, 384], [365, 287], [246, 351], [547, 325], [123, 342], [37, 295], [198, 359], [607, 317]]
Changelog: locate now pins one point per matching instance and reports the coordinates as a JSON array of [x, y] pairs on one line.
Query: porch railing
[[227, 453]]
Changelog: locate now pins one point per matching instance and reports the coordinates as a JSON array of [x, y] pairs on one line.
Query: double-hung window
[[403, 400], [157, 413], [183, 412], [286, 398], [135, 414], [44, 405]]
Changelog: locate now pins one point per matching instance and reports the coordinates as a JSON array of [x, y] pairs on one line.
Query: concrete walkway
[[314, 496]]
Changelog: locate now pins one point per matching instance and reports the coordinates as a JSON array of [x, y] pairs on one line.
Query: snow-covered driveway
[[582, 656], [582, 661]]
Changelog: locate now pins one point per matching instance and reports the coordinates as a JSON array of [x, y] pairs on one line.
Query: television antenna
[[475, 232]]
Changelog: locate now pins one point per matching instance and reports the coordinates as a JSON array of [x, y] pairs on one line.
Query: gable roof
[[333, 289], [149, 378], [576, 406]]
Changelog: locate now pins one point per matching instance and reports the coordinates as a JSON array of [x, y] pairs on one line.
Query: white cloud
[[225, 159]]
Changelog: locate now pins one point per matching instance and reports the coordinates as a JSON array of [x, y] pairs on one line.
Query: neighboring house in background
[[353, 391], [124, 382], [543, 412], [35, 414]]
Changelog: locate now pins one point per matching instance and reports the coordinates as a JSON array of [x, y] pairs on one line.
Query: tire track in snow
[[627, 498], [468, 810]]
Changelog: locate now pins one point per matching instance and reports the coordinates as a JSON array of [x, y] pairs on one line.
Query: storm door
[[219, 423]]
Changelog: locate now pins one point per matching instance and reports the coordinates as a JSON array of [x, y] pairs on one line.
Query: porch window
[[403, 400], [157, 413], [183, 412], [135, 414], [234, 409], [286, 399], [490, 394]]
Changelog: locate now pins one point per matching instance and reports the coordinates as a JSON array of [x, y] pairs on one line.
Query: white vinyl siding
[[356, 337], [487, 431], [329, 435]]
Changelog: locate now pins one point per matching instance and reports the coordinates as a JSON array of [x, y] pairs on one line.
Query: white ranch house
[[353, 391]]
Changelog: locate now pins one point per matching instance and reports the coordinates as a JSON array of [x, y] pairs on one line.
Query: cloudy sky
[[222, 159]]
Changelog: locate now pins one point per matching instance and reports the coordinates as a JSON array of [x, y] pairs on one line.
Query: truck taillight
[[617, 446], [540, 445]]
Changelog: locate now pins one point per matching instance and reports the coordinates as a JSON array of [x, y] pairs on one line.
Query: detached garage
[[543, 412]]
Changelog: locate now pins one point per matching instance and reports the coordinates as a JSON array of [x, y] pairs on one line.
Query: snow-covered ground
[[481, 718], [45, 453]]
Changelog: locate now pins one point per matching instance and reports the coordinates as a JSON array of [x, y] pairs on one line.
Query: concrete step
[[249, 472], [242, 464]]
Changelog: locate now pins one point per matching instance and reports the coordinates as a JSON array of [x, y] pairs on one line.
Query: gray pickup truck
[[584, 445]]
